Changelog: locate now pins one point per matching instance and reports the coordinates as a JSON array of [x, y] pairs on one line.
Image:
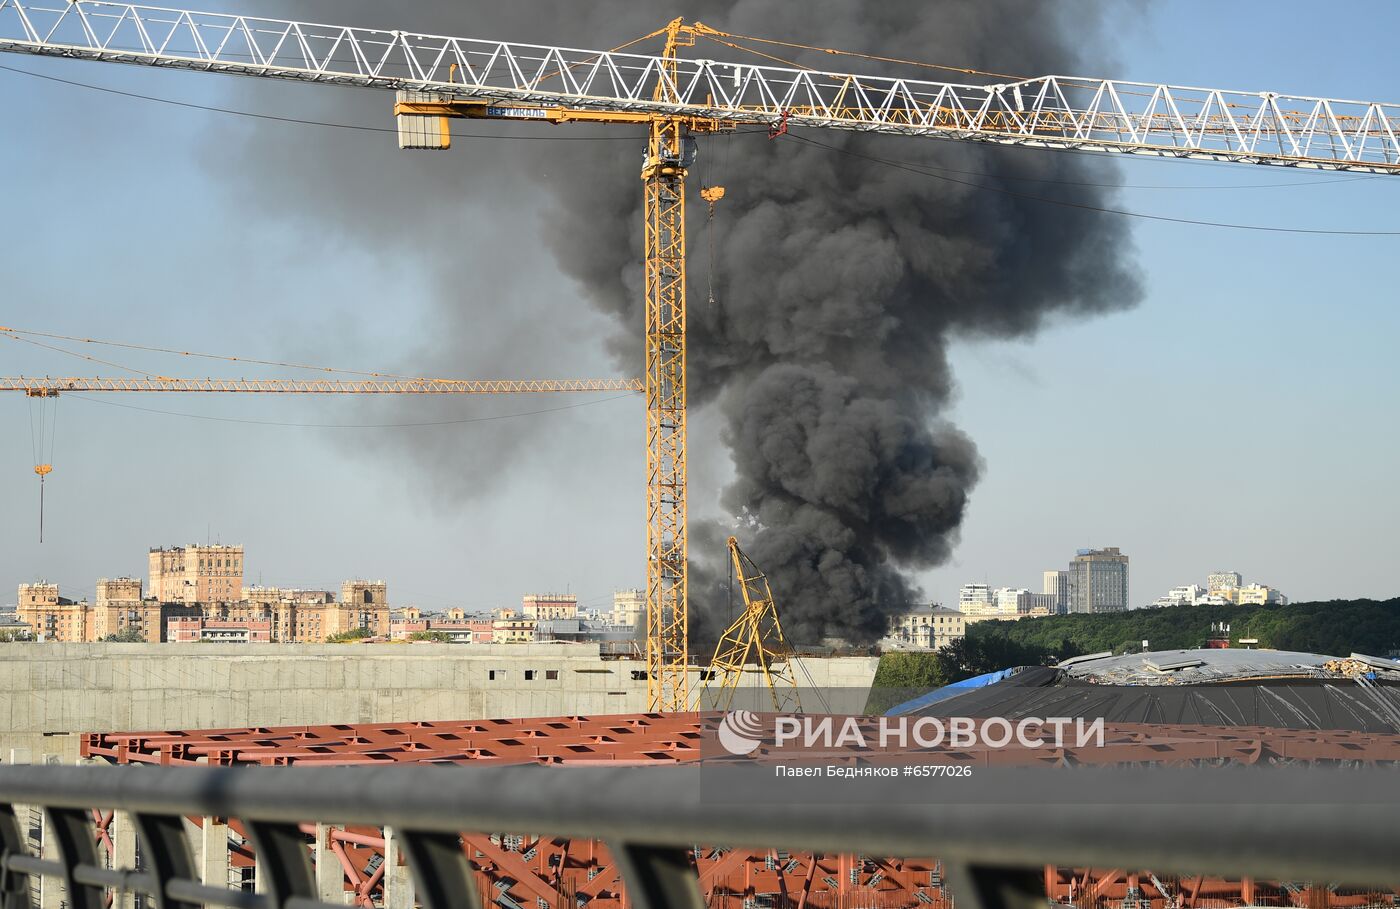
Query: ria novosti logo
[[740, 732]]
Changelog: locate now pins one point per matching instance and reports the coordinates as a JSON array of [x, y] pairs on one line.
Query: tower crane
[[756, 637], [438, 77]]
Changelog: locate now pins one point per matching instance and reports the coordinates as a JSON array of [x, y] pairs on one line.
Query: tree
[[440, 637], [125, 636], [1335, 628], [349, 637]]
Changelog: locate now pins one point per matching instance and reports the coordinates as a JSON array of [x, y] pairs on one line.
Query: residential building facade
[[50, 616], [543, 607], [629, 607], [196, 574]]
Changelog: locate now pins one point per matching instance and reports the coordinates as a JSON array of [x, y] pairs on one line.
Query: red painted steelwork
[[549, 871]]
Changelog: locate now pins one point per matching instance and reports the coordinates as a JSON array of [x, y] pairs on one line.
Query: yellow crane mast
[[755, 637], [670, 151]]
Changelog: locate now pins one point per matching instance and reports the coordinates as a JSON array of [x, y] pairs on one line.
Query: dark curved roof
[[1298, 703]]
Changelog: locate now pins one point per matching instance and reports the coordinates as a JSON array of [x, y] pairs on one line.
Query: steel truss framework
[[756, 636], [1047, 111], [45, 386], [526, 868]]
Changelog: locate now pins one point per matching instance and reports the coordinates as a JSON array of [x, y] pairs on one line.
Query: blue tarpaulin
[[949, 691]]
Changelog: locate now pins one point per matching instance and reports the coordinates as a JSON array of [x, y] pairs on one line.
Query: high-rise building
[[974, 598], [1056, 584], [1099, 580], [629, 607], [1218, 581], [1011, 601], [196, 574]]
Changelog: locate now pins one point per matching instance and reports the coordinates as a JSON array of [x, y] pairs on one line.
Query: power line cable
[[1094, 208], [299, 120], [325, 123], [15, 332], [303, 425]]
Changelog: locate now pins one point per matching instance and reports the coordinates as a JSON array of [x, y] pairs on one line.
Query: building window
[[551, 675], [494, 672], [529, 675]]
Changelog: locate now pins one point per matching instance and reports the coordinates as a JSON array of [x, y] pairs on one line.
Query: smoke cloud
[[838, 285]]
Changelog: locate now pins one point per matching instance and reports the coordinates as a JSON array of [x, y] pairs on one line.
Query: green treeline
[[1336, 627]]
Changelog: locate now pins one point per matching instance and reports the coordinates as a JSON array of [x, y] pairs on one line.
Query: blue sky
[[1241, 417]]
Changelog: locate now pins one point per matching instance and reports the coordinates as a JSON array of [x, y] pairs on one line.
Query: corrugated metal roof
[[1244, 688], [1193, 667]]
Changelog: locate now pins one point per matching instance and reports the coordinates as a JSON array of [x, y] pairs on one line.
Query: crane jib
[[576, 85]]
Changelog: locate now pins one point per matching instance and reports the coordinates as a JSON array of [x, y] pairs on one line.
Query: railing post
[[167, 854], [284, 868], [14, 885], [990, 887], [440, 869], [657, 877], [73, 834]]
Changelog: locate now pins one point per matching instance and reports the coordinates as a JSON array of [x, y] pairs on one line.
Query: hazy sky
[[1241, 417]]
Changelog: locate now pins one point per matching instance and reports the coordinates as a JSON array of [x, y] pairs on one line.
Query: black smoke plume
[[839, 280]]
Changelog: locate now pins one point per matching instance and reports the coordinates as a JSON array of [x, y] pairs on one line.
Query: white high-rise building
[[1056, 584], [1012, 601], [976, 597]]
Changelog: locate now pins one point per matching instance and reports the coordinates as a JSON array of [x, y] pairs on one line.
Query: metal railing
[[1278, 823]]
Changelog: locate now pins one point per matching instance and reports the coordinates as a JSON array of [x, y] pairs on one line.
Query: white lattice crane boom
[[1094, 114]]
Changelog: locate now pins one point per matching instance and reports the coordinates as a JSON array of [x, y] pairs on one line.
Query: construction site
[[217, 708]]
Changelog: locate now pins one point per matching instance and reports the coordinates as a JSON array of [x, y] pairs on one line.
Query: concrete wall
[[51, 693]]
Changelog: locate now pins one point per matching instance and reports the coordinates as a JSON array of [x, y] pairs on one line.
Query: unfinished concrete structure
[[51, 694]]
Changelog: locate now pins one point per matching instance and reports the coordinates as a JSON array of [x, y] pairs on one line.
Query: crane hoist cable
[[711, 195], [43, 431]]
